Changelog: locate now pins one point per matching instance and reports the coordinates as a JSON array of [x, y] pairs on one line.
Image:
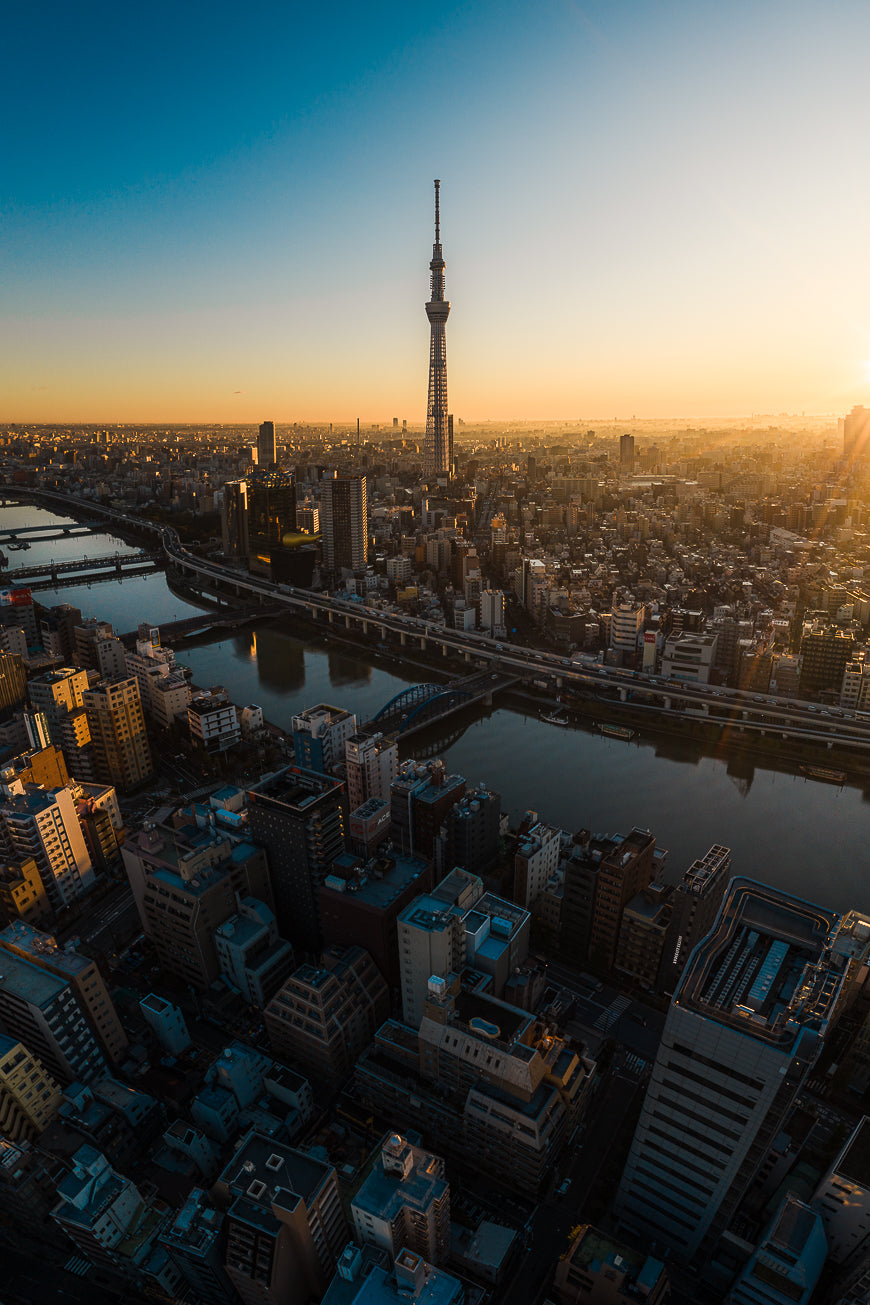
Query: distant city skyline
[[652, 209]]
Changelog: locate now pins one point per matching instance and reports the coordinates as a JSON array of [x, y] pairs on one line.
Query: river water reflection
[[804, 836]]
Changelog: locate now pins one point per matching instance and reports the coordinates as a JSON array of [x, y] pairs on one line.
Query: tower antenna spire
[[438, 448]]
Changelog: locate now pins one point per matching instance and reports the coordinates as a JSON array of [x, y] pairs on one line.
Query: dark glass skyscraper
[[271, 515], [267, 449]]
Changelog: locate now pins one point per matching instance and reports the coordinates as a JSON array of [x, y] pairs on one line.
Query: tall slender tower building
[[436, 453]]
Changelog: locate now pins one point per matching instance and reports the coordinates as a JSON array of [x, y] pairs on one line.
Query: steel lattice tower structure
[[437, 451]]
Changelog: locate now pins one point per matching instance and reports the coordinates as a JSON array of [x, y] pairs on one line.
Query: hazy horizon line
[[466, 422]]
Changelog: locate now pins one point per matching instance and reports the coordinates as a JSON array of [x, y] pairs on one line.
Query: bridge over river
[[421, 705], [51, 574]]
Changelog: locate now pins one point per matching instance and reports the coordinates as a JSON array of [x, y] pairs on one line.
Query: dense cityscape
[[432, 850], [293, 1013]]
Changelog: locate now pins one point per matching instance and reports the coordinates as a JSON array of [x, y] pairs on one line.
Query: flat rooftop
[[385, 1194], [476, 1006], [705, 868], [793, 1228], [293, 787], [855, 1163], [765, 967], [278, 1166], [23, 979], [42, 946], [429, 913]]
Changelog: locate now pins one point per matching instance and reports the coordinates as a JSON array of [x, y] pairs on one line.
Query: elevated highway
[[730, 709]]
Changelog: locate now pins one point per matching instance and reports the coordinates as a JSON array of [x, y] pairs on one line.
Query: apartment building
[[694, 904], [164, 688], [598, 1269], [371, 763], [122, 755], [325, 1014], [491, 1085], [842, 1199], [361, 900], [194, 1243], [420, 797], [22, 893], [43, 825], [39, 1009], [344, 522], [321, 735], [251, 955], [104, 1214], [185, 881], [284, 1222], [469, 836], [788, 1260], [29, 1096], [404, 1202], [535, 860], [213, 721], [58, 696], [622, 872], [431, 939], [83, 975]]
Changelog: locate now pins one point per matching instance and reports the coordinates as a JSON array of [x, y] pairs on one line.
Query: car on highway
[[565, 1187]]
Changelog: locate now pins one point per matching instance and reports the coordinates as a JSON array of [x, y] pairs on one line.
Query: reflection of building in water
[[347, 670], [741, 773], [280, 661]]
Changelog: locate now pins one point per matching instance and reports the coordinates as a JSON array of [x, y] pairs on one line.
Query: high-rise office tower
[[856, 432], [234, 520], [436, 452], [745, 1028], [344, 523], [267, 449], [271, 516], [626, 452]]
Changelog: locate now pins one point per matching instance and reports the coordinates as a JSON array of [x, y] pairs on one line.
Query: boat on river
[[556, 718], [615, 731], [826, 773]]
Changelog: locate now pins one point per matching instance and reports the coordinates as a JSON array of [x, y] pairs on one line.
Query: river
[[804, 836]]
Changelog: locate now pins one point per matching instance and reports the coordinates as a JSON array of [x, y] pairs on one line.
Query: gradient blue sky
[[225, 212]]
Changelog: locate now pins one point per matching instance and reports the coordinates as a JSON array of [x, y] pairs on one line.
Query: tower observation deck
[[437, 451]]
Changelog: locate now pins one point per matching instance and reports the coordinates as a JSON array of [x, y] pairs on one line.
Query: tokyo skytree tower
[[437, 451]]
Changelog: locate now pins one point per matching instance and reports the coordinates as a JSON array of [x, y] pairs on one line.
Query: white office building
[[745, 1027]]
